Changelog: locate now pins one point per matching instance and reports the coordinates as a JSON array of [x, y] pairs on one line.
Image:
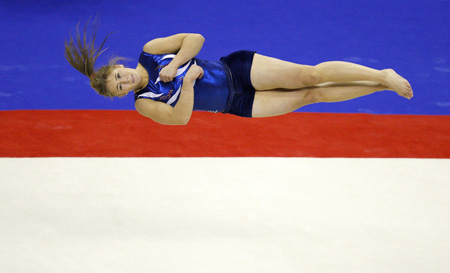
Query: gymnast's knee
[[313, 76], [312, 96]]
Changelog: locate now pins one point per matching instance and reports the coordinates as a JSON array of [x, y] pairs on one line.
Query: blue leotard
[[210, 92]]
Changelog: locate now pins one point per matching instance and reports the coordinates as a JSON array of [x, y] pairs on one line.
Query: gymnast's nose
[[126, 79]]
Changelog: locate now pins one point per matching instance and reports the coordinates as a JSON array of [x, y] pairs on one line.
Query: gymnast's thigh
[[279, 102], [269, 73]]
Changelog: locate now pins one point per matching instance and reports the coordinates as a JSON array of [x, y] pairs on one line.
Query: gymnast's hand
[[194, 72], [168, 73]]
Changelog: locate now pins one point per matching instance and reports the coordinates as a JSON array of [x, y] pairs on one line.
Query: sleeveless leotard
[[210, 92]]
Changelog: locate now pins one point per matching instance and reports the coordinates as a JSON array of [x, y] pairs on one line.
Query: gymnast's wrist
[[190, 78]]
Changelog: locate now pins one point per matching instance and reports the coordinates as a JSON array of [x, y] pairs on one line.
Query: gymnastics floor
[[99, 191], [224, 215]]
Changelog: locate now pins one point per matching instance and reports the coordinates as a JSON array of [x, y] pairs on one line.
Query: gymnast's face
[[123, 80]]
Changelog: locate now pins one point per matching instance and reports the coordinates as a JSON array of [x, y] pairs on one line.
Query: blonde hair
[[82, 54]]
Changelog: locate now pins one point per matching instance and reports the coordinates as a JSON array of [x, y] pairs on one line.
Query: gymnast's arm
[[181, 113], [185, 45]]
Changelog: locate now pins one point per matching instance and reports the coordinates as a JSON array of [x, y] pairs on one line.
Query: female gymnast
[[243, 83]]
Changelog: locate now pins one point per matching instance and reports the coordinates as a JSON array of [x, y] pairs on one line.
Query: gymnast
[[169, 82]]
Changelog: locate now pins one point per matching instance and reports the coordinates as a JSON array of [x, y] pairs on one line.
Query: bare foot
[[397, 83]]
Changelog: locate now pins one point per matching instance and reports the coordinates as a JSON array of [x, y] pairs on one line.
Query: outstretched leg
[[269, 73], [280, 102]]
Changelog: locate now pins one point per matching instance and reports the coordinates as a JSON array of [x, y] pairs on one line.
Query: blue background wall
[[413, 37]]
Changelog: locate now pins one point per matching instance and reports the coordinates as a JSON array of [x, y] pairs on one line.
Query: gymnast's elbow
[[175, 117], [182, 119], [169, 120], [174, 121], [162, 113], [199, 37]]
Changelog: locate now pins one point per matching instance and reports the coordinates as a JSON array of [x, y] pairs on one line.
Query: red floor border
[[111, 133]]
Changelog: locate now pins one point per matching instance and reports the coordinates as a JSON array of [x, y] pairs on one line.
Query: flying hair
[[81, 53]]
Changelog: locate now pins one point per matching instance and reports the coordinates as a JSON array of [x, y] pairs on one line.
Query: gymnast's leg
[[269, 73], [279, 102]]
